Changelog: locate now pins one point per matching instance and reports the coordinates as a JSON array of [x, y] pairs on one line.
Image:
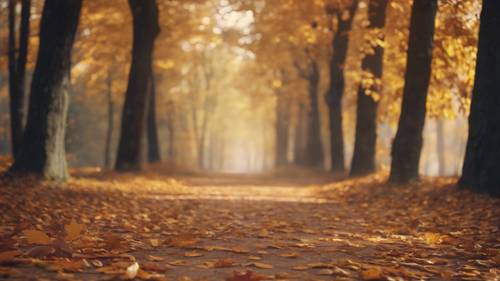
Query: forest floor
[[291, 225]]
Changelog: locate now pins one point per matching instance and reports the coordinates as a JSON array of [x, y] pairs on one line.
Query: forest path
[[296, 227]]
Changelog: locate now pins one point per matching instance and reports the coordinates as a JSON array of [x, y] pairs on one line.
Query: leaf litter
[[122, 227]]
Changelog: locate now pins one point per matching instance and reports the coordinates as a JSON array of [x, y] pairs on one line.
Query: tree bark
[[111, 112], [363, 159], [171, 131], [407, 145], [481, 165], [134, 117], [17, 71], [282, 116], [314, 144], [42, 151], [300, 157], [340, 46], [153, 143]]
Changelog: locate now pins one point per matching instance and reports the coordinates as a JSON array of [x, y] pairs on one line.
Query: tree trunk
[[481, 165], [153, 143], [171, 133], [300, 137], [17, 71], [201, 151], [314, 144], [134, 117], [363, 159], [111, 113], [340, 46], [440, 146], [42, 151], [407, 145], [281, 129]]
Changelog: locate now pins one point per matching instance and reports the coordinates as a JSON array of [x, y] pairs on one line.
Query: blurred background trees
[[244, 85]]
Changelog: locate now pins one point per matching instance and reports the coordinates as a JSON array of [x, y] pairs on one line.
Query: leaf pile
[[151, 227]]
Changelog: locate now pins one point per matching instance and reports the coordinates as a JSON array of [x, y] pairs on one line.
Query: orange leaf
[[36, 237]]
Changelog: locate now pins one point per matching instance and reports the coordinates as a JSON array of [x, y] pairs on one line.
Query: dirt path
[[206, 228]]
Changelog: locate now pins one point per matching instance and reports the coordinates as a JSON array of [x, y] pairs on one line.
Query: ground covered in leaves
[[309, 226]]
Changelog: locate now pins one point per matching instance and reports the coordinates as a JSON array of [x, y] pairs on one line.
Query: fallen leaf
[[132, 270], [432, 238], [41, 251], [154, 242], [8, 256], [246, 276], [373, 273], [185, 241], [262, 265], [224, 263], [193, 254], [36, 237], [325, 271], [289, 255], [73, 230], [155, 258]]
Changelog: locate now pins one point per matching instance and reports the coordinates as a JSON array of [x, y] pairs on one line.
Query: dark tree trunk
[[363, 159], [17, 72], [481, 166], [146, 29], [153, 143], [171, 132], [42, 151], [300, 157], [282, 116], [314, 144], [407, 145], [111, 112], [340, 46]]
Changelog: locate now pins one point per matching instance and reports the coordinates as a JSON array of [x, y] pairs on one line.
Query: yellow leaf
[[132, 270], [73, 230], [36, 237], [432, 238], [154, 242]]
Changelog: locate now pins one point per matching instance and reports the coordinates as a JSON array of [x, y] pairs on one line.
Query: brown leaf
[[373, 273], [224, 263], [185, 241], [41, 251], [262, 265], [247, 276], [73, 230], [8, 256], [34, 236]]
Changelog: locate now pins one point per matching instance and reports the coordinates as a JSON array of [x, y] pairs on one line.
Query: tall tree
[[42, 151], [407, 145], [300, 140], [134, 116], [481, 165], [282, 127], [152, 128], [340, 46], [314, 147], [363, 160], [17, 71], [111, 123]]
